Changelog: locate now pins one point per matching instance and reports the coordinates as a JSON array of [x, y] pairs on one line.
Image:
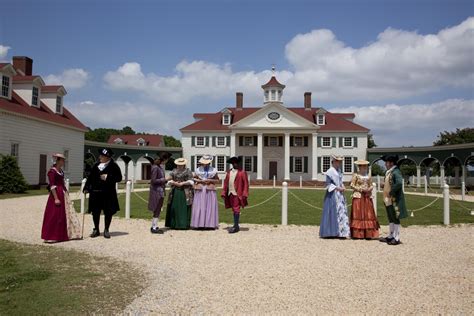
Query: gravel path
[[267, 269]]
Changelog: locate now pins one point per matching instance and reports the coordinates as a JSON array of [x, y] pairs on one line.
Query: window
[[34, 98], [5, 86], [220, 141], [347, 141], [196, 162], [326, 163], [14, 149], [321, 119], [248, 163], [200, 141], [141, 142], [66, 160], [347, 165], [326, 141], [279, 95], [298, 164], [298, 141], [226, 119], [266, 95], [59, 104], [273, 141], [118, 141], [273, 95], [248, 141], [220, 163]]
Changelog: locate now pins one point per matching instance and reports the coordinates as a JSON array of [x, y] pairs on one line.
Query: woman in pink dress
[[60, 222]]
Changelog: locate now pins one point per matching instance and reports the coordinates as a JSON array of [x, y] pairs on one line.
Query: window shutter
[[193, 141], [291, 164], [305, 141], [227, 141], [334, 140], [292, 141], [207, 141], [214, 162], [305, 164], [242, 162], [213, 141], [353, 164], [280, 141], [265, 141], [241, 141], [255, 141], [227, 165], [341, 141], [319, 141], [320, 167], [254, 163], [354, 142], [193, 162]]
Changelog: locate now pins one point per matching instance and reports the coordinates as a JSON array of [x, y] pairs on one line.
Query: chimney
[[307, 100], [239, 100], [23, 64]]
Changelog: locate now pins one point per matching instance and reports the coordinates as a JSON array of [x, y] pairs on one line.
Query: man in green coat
[[393, 199]]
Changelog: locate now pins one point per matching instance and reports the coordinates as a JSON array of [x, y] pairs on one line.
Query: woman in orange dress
[[363, 221]]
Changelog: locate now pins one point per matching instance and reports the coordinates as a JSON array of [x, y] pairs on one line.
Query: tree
[[11, 178], [460, 136], [377, 170], [371, 141], [170, 141], [103, 134]]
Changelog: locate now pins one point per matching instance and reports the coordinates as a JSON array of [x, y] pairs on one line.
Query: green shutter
[[214, 161], [227, 164], [193, 141], [305, 139], [341, 141], [280, 141], [334, 140], [319, 166], [319, 141], [254, 163], [207, 141], [355, 142], [255, 140], [241, 141], [353, 164], [193, 162], [213, 141], [291, 164], [265, 141], [305, 164], [227, 141], [292, 141]]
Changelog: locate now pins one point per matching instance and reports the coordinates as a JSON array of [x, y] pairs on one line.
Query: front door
[[273, 170], [42, 169]]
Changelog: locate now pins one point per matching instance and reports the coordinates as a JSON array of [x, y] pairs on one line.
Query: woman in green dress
[[178, 214]]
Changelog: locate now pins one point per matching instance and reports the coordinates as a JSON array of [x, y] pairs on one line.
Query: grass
[[42, 280], [301, 214]]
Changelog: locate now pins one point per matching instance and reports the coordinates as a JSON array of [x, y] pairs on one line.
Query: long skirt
[[60, 223], [334, 220], [364, 223], [178, 214], [205, 212]]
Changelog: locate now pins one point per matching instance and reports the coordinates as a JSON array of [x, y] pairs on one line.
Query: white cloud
[[74, 78], [4, 51], [395, 65], [415, 124]]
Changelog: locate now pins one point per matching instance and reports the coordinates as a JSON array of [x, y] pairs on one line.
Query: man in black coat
[[101, 186]]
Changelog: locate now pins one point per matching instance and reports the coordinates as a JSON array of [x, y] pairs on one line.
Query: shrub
[[11, 178]]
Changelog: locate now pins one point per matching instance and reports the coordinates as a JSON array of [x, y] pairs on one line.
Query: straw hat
[[57, 155], [180, 162], [206, 159], [339, 158], [361, 162]]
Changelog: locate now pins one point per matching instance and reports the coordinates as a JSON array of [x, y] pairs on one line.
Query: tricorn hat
[[391, 158], [234, 159], [106, 152]]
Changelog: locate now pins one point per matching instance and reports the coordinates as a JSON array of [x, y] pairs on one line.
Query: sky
[[405, 68]]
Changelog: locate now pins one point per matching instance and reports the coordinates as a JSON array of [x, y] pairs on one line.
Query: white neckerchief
[[390, 170], [103, 165]]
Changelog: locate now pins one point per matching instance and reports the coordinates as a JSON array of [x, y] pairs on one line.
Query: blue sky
[[169, 59]]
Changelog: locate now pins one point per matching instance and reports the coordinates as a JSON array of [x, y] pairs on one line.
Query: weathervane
[[273, 69]]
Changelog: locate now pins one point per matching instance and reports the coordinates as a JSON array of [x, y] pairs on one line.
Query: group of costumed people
[[362, 223], [193, 203]]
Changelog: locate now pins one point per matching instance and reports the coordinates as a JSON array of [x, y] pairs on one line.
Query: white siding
[[37, 138]]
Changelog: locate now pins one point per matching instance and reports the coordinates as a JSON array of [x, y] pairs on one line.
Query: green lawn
[[302, 214], [42, 280]]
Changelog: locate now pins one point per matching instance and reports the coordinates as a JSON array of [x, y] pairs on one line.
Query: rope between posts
[[451, 196], [428, 205], [304, 202], [261, 203], [140, 197]]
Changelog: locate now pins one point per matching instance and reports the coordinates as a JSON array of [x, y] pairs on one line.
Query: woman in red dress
[[60, 222]]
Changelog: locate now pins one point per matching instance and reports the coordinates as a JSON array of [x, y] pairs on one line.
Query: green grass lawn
[[301, 214], [42, 280]]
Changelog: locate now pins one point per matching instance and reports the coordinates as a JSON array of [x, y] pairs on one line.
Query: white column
[[418, 176], [259, 156], [441, 171], [445, 204], [232, 144], [314, 157], [284, 204], [287, 156], [128, 189], [464, 174]]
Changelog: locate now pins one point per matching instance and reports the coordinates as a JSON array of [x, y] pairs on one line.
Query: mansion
[[275, 140]]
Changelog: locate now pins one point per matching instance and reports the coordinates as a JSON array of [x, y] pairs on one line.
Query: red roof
[[154, 140], [24, 78], [51, 88], [334, 121], [3, 64], [273, 82], [19, 106]]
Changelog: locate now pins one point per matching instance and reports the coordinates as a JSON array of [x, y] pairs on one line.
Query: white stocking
[[396, 233], [391, 230], [154, 222]]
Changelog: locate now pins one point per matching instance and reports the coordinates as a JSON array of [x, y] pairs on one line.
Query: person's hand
[[103, 177], [57, 202], [340, 189]]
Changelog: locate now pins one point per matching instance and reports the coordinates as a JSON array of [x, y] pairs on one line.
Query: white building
[[275, 140], [34, 124]]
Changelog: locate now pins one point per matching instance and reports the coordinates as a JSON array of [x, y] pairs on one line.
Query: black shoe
[[386, 239], [106, 234], [95, 233], [234, 230], [394, 242], [156, 230]]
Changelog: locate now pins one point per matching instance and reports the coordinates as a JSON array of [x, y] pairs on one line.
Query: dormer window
[[226, 119], [59, 104], [34, 97], [141, 142], [321, 120], [118, 141], [5, 86]]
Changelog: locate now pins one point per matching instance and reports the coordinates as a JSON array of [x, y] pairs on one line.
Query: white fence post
[[446, 204], [426, 186], [133, 184], [463, 190], [274, 181], [127, 199], [374, 197], [284, 204], [378, 183], [83, 196], [301, 181], [67, 185]]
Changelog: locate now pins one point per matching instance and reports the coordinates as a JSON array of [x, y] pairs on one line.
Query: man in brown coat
[[157, 190]]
